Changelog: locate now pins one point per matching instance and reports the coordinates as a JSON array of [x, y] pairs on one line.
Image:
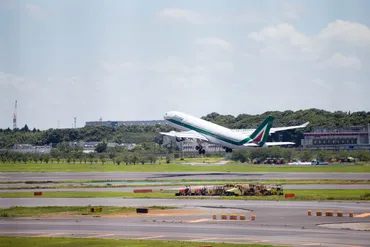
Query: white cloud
[[286, 42], [339, 61], [181, 15], [223, 44], [351, 32], [280, 33]]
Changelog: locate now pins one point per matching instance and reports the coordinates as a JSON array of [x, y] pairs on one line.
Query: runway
[[64, 176], [280, 223], [176, 188]]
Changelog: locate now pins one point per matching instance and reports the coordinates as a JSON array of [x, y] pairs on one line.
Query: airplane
[[194, 128]]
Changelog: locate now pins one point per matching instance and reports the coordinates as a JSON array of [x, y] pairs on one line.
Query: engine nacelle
[[180, 139]]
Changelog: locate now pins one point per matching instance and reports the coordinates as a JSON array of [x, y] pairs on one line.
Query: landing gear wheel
[[228, 150]]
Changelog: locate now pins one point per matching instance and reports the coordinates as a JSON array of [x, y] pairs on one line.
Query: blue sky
[[134, 60]]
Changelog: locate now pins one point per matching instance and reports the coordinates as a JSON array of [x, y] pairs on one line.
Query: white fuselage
[[215, 133]]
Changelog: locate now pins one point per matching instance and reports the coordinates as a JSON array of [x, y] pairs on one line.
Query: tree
[[306, 155], [101, 147], [152, 158], [46, 158], [102, 158]]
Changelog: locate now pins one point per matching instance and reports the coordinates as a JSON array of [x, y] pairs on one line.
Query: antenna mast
[[15, 116]]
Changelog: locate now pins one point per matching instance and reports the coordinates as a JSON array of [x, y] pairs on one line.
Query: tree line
[[65, 153], [289, 154], [141, 134]]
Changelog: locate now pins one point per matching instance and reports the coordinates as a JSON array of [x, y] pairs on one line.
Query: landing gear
[[200, 149], [228, 150]]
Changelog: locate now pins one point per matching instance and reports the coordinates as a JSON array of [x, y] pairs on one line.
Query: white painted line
[[151, 237]]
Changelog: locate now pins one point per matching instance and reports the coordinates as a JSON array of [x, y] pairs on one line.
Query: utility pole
[[15, 116]]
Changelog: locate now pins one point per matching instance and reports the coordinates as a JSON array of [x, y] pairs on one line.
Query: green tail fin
[[262, 132]]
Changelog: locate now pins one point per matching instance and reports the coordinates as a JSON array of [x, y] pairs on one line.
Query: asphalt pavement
[[278, 223], [64, 176], [176, 188]]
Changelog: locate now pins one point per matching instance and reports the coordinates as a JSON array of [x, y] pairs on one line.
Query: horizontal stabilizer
[[269, 144], [279, 143]]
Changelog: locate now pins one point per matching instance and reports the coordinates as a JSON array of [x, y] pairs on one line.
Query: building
[[125, 123], [28, 148], [89, 147], [355, 137]]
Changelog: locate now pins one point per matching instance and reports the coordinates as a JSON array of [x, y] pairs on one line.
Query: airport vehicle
[[318, 162], [299, 163], [204, 131]]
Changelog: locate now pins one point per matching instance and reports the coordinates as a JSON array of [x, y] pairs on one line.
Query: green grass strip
[[93, 242], [299, 195], [110, 167], [37, 211]]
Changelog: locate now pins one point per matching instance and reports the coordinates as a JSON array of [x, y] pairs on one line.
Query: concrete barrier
[[233, 216], [142, 210], [37, 193], [289, 195], [99, 209], [309, 212], [143, 191], [340, 214], [328, 213], [318, 213]]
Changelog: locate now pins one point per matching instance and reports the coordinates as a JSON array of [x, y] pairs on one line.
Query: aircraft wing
[[272, 130], [269, 144], [191, 134]]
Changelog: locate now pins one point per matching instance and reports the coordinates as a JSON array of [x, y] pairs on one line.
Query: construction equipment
[[238, 190], [234, 190], [185, 192]]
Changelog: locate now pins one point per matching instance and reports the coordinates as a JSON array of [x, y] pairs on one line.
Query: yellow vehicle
[[238, 190]]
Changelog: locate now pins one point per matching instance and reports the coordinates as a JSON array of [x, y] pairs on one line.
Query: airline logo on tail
[[259, 136]]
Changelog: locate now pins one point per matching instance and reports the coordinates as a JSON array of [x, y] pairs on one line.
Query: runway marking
[[312, 244], [151, 237], [203, 239], [50, 234], [362, 215], [99, 236], [200, 220]]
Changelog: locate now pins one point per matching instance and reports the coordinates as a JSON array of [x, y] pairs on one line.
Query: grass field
[[93, 242], [299, 195], [110, 167], [37, 211]]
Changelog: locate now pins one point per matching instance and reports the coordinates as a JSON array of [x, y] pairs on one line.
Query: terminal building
[[125, 123], [356, 137]]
